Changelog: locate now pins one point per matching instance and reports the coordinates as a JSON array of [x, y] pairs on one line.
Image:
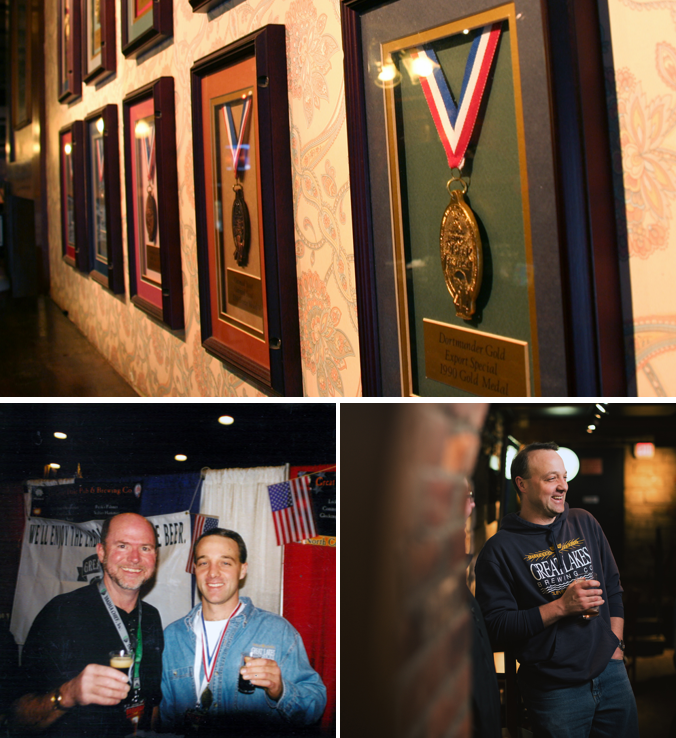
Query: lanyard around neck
[[122, 631]]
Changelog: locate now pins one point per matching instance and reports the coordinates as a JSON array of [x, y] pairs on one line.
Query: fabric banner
[[83, 500], [59, 556]]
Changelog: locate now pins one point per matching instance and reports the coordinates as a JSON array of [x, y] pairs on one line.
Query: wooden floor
[[43, 354]]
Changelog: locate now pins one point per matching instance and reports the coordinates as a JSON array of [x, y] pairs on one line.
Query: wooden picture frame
[[248, 286], [145, 23], [203, 5], [570, 351], [75, 250], [21, 63], [153, 223], [99, 55], [104, 217], [70, 54]]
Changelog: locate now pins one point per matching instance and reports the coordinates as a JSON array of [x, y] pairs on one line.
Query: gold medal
[[461, 257], [241, 231], [151, 216], [206, 699]]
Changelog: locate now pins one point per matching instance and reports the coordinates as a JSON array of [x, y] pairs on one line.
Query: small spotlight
[[55, 466], [601, 408], [591, 428], [226, 420], [181, 457], [60, 435]]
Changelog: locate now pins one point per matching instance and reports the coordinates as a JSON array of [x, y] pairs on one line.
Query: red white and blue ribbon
[[455, 123], [235, 141], [149, 151]]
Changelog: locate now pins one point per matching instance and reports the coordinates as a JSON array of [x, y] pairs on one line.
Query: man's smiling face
[[543, 493]]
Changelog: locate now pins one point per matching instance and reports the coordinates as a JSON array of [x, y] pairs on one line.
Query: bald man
[[69, 687]]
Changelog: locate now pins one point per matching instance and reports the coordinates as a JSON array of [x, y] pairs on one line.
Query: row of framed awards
[[86, 36], [245, 236]]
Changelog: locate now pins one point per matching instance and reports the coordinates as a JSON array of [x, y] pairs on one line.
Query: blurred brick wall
[[405, 632], [649, 505]]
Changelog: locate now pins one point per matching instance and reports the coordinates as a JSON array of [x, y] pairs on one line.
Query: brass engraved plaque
[[461, 257], [481, 363], [245, 292]]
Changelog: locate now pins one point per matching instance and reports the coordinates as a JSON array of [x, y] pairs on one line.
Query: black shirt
[[74, 630]]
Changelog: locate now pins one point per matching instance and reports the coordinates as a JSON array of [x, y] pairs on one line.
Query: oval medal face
[[240, 229], [151, 218], [461, 257]]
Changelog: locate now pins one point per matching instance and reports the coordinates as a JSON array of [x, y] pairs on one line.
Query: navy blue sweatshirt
[[526, 565]]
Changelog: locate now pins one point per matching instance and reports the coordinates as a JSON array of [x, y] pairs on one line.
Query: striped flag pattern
[[292, 510], [201, 524]]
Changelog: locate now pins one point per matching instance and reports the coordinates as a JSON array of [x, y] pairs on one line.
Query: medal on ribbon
[[151, 205], [206, 697], [241, 230], [459, 239]]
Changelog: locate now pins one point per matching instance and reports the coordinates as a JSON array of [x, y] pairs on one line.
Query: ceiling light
[[591, 428], [181, 457], [55, 466], [601, 408], [58, 434], [226, 420]]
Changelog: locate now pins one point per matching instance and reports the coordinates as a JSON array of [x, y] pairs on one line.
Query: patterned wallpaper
[[154, 360], [644, 50]]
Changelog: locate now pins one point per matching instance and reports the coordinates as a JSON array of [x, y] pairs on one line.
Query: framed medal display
[[145, 23], [73, 211], [102, 162], [98, 47], [451, 113], [243, 191], [21, 58], [69, 69], [153, 227]]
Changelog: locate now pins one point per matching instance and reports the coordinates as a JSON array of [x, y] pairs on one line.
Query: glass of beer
[[245, 686], [121, 660], [592, 612]]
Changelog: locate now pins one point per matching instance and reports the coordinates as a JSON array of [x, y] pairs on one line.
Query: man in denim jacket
[[202, 659]]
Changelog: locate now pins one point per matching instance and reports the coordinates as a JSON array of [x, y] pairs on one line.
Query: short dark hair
[[520, 463], [224, 533], [105, 528]]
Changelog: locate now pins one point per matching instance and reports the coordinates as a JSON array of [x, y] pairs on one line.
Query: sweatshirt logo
[[554, 573]]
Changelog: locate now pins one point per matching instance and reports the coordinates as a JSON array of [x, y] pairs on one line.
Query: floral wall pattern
[[159, 362], [644, 53]]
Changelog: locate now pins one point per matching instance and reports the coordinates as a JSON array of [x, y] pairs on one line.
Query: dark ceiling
[[568, 423], [120, 439]]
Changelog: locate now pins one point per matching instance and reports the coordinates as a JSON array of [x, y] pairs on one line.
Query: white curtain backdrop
[[239, 497]]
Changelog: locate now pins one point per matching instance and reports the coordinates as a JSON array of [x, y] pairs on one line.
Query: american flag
[[201, 524], [292, 510]]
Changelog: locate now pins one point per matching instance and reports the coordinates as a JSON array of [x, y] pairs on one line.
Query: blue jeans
[[602, 708]]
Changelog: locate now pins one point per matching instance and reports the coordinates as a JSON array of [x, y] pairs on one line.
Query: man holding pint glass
[[550, 593], [230, 668], [91, 665]]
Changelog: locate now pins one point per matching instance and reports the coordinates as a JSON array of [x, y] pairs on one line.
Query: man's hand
[[95, 685], [580, 596], [264, 673]]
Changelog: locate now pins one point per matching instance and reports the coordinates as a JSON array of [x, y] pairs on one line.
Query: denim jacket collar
[[190, 618]]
